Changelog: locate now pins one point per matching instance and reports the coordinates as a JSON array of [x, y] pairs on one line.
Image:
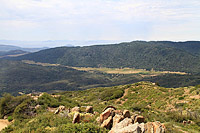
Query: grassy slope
[[168, 105], [154, 102]]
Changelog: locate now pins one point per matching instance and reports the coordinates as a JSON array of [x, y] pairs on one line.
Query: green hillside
[[169, 56], [16, 76], [171, 106]]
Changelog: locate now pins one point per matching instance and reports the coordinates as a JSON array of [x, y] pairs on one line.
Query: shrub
[[10, 118], [180, 98], [48, 100], [83, 128], [25, 109], [8, 104]]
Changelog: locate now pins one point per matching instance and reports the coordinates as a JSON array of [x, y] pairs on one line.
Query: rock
[[109, 107], [107, 123], [158, 127], [76, 118], [117, 118], [108, 112], [126, 114], [118, 112], [149, 127], [37, 106], [131, 128], [60, 109], [75, 109], [57, 111], [123, 123], [139, 119], [5, 117], [89, 109], [98, 120]]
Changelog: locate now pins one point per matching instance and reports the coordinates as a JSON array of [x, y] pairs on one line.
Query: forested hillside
[[170, 56], [16, 76]]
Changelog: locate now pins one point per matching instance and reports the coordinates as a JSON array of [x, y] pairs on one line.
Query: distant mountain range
[[56, 43], [7, 48], [159, 55]]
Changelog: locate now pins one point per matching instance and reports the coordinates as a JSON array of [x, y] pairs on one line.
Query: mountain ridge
[[167, 56]]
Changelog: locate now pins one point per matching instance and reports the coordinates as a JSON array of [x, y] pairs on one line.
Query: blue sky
[[123, 20]]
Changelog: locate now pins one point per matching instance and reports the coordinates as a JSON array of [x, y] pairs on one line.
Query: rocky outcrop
[[117, 118], [107, 123], [108, 112], [123, 122], [76, 109], [131, 128], [59, 109], [89, 109], [76, 118], [109, 107], [127, 114], [139, 119]]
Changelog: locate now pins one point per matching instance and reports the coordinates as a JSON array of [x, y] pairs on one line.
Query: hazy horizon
[[118, 20]]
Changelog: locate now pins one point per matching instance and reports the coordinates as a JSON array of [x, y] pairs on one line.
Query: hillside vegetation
[[171, 106], [163, 56], [16, 76]]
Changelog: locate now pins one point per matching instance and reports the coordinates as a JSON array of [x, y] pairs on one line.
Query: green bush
[[81, 128], [180, 98], [48, 100], [25, 110], [10, 118], [8, 104]]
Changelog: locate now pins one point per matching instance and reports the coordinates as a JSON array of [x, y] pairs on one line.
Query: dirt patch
[[3, 123]]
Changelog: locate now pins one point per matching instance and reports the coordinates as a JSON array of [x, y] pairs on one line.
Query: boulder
[[118, 112], [76, 118], [126, 114], [139, 119], [107, 123], [158, 127], [110, 106], [123, 123], [89, 109], [131, 128], [108, 112], [149, 127], [117, 118], [59, 109], [75, 109], [37, 106]]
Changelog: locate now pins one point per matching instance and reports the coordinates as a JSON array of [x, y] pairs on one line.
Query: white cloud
[[98, 19]]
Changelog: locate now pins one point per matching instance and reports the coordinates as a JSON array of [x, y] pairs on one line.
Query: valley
[[156, 81]]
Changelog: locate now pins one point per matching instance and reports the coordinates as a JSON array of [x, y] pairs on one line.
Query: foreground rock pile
[[117, 121], [123, 122]]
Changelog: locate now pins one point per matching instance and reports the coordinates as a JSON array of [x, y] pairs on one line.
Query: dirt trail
[[3, 124], [125, 94]]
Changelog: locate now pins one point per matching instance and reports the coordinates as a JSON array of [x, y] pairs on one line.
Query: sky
[[121, 20]]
